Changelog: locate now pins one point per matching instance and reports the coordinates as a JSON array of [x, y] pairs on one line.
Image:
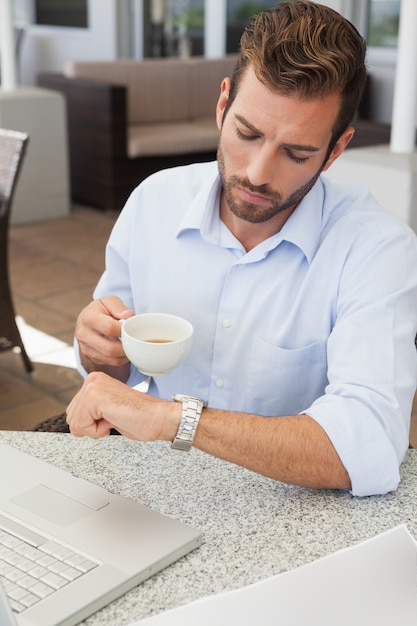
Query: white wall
[[48, 48]]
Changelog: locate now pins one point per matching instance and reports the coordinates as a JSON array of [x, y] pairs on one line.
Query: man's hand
[[98, 334], [104, 403]]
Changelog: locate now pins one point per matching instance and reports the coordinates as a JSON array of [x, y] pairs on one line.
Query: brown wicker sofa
[[129, 118]]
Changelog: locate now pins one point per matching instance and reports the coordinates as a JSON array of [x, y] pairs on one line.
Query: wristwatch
[[191, 412]]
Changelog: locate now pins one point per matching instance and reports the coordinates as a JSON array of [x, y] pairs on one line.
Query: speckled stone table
[[253, 527]]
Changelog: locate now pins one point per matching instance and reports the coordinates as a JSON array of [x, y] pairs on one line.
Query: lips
[[251, 197]]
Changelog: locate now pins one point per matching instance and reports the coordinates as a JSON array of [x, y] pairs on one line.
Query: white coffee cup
[[156, 342]]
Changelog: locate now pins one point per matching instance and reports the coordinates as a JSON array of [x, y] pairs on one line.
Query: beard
[[251, 212]]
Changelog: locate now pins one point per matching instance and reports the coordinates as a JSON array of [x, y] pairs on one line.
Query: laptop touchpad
[[56, 507]]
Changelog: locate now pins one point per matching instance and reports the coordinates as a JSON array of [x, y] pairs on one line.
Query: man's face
[[272, 149]]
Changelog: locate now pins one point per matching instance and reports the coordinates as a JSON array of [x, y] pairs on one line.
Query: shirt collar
[[203, 212], [302, 229]]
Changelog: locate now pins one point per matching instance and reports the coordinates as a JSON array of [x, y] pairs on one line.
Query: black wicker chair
[[12, 151]]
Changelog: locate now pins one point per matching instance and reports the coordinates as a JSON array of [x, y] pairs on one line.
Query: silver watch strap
[[191, 412]]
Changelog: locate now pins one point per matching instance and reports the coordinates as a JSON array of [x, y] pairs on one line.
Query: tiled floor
[[54, 267]]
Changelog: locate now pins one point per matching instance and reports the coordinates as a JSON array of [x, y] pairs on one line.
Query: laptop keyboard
[[31, 572]]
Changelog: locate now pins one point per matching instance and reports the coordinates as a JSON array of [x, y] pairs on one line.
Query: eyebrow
[[291, 146]]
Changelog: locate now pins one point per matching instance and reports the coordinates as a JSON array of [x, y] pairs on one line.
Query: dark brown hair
[[307, 50]]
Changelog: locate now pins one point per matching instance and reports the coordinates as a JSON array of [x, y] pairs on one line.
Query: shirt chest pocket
[[282, 381]]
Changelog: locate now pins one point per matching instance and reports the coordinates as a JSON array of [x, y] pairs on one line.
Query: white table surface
[[253, 527]]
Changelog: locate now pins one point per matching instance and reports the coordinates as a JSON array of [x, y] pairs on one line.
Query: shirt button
[[220, 382], [227, 323]]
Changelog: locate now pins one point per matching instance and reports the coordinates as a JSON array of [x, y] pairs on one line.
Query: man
[[302, 291]]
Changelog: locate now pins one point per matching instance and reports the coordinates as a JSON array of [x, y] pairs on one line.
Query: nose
[[261, 168]]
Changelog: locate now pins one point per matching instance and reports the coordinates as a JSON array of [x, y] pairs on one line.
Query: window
[[238, 15], [173, 28], [69, 13], [383, 21]]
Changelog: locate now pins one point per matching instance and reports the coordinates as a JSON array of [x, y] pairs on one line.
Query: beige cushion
[[114, 72], [206, 76], [157, 89], [174, 138]]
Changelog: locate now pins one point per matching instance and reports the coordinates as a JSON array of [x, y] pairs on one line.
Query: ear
[[340, 146], [222, 101]]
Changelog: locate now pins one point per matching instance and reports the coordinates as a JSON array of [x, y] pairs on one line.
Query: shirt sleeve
[[115, 280], [372, 363]]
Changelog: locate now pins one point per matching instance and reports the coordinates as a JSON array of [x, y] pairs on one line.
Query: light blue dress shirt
[[318, 319]]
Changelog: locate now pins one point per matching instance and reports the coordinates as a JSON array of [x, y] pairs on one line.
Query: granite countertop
[[253, 527]]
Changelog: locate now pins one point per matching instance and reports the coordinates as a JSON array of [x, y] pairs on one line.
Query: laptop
[[7, 617], [68, 547]]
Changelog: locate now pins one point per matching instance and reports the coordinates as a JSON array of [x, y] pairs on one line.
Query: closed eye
[[245, 137], [296, 158]]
